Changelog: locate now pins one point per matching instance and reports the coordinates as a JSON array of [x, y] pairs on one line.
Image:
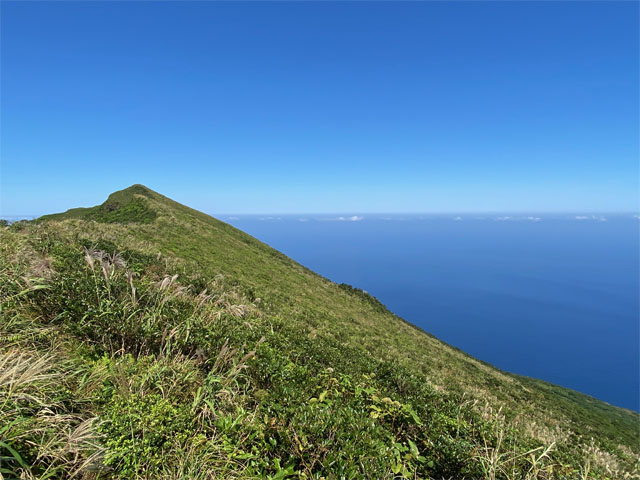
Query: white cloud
[[534, 219], [582, 217], [457, 219], [503, 219], [354, 218]]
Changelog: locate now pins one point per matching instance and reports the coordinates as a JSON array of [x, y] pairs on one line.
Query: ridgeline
[[142, 339]]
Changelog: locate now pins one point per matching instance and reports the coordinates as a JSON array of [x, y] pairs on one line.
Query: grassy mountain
[[143, 339]]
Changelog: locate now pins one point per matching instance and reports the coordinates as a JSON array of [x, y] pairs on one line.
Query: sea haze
[[551, 297]]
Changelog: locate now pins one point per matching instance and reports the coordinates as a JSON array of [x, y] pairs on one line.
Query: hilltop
[[144, 339]]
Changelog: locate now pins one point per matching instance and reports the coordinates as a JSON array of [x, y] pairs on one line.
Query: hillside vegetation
[[141, 339]]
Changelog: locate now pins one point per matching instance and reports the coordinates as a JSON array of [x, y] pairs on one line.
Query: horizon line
[[4, 216]]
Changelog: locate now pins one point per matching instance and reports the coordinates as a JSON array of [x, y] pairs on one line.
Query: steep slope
[[266, 367]]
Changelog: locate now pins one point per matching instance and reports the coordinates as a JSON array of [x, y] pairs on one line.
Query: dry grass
[[499, 457], [57, 442]]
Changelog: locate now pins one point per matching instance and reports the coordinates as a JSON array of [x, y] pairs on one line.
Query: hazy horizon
[[469, 215]]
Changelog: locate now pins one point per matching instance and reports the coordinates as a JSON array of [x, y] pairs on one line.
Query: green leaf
[[14, 454], [414, 449]]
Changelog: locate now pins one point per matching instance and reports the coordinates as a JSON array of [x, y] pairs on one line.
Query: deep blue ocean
[[555, 298]]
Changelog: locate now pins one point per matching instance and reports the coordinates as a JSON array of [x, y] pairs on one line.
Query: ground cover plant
[[142, 339]]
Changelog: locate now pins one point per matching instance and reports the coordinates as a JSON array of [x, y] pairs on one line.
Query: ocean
[[554, 297]]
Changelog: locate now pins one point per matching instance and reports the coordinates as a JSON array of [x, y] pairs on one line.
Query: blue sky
[[322, 107]]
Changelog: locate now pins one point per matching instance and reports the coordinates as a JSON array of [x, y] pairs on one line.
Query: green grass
[[183, 348], [125, 206]]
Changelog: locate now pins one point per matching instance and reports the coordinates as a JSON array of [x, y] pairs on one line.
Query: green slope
[[249, 365]]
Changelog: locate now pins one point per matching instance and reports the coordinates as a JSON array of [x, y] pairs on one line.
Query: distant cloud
[[233, 218], [457, 219], [270, 219], [303, 219], [354, 218], [507, 218], [519, 219], [598, 218]]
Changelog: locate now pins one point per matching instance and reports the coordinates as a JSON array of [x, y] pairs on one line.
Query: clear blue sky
[[322, 107]]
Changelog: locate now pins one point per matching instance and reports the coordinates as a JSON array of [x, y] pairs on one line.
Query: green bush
[[144, 433]]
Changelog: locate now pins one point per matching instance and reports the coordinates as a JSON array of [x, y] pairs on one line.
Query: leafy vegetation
[[180, 347]]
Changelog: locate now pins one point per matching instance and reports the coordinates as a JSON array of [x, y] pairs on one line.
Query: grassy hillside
[[143, 339]]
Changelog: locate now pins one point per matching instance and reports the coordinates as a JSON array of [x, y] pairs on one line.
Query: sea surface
[[551, 297]]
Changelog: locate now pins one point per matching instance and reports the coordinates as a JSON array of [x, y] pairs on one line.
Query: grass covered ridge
[[124, 206], [180, 347]]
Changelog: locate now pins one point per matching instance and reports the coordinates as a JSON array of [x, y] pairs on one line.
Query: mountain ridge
[[322, 325]]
